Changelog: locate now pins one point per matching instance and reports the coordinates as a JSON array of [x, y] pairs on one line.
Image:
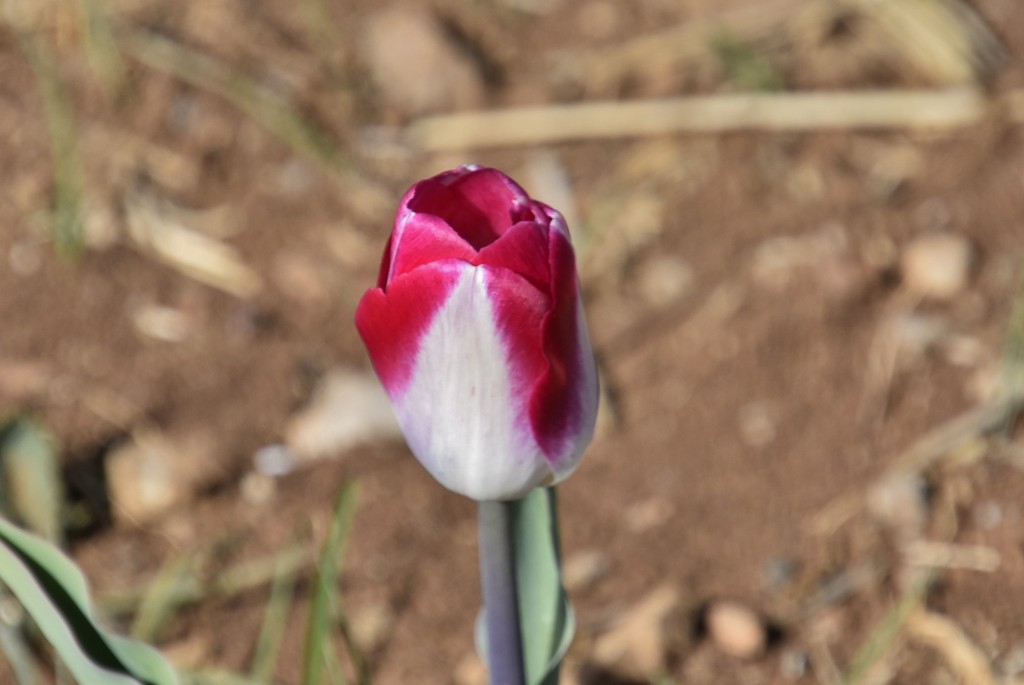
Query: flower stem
[[501, 602]]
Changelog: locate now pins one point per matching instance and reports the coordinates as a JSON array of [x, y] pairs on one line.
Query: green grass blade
[[326, 602], [166, 594], [100, 46], [263, 106], [881, 639], [365, 198], [275, 620], [53, 592], [17, 652], [68, 175]]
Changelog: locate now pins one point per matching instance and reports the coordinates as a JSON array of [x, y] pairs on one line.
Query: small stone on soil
[[153, 472], [664, 279], [583, 569], [274, 460], [648, 514], [257, 488], [636, 647], [937, 266], [414, 64], [470, 670], [372, 626], [900, 502], [736, 629], [757, 428], [161, 323], [348, 409]]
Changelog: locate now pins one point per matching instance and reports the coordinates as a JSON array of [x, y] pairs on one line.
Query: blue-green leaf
[[54, 593], [546, 619]]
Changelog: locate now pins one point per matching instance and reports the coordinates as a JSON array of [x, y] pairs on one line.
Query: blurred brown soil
[[743, 290]]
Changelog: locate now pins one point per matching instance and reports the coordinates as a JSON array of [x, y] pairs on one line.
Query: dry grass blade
[[944, 555], [655, 51], [1013, 355], [270, 111], [866, 110], [196, 255], [932, 447], [1015, 106], [263, 106], [964, 657], [944, 39]]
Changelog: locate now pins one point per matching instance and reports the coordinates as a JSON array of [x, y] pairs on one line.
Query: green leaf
[[31, 489], [53, 592], [545, 614]]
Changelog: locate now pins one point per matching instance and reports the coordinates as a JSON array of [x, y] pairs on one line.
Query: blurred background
[[800, 225]]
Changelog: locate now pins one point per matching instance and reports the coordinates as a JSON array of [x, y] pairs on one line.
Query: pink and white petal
[[563, 406], [462, 413], [522, 249], [552, 217], [392, 322], [565, 460], [421, 239], [479, 204]]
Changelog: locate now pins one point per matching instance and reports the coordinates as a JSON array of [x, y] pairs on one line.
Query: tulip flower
[[476, 331]]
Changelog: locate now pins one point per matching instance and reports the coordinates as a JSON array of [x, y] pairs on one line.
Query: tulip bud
[[476, 331]]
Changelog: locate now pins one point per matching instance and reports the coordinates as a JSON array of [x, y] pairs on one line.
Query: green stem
[[501, 601]]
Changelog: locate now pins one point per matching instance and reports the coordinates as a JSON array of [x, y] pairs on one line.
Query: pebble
[[988, 515], [793, 664], [274, 460], [470, 670], [900, 501], [415, 66], [301, 278], [583, 569], [965, 351], [372, 626], [161, 323], [349, 408], [984, 383], [937, 266], [154, 472], [598, 19], [664, 279], [736, 630], [637, 646], [257, 489], [22, 379], [757, 427], [648, 514], [25, 258]]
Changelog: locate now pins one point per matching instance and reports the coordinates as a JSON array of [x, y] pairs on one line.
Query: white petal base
[[459, 414]]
